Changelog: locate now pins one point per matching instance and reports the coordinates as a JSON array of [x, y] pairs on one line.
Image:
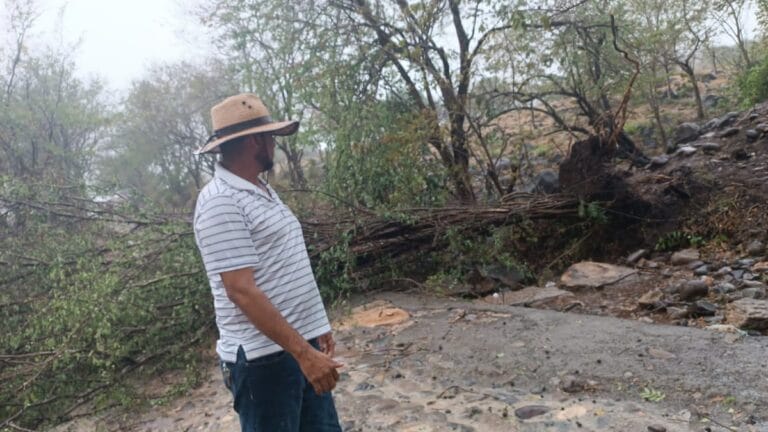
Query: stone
[[744, 263], [711, 147], [527, 296], [678, 313], [755, 247], [754, 284], [631, 259], [693, 265], [710, 101], [531, 411], [590, 274], [693, 289], [752, 134], [739, 154], [547, 182], [704, 308], [723, 271], [748, 314], [656, 428], [761, 267], [686, 150], [684, 257], [727, 119], [701, 270], [687, 132], [753, 293], [651, 298], [573, 384], [738, 274], [730, 132], [723, 288], [762, 128], [660, 160]]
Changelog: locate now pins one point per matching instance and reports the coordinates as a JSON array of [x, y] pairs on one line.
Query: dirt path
[[469, 366]]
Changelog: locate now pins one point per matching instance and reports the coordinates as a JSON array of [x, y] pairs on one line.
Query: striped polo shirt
[[238, 225]]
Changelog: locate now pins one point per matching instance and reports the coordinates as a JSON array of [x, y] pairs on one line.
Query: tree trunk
[[696, 92]]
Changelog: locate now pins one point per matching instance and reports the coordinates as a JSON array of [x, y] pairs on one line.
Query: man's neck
[[250, 173]]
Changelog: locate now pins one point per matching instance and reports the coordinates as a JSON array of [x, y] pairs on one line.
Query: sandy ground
[[447, 365]]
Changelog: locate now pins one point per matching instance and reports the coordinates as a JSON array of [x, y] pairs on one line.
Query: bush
[[89, 297], [753, 84]]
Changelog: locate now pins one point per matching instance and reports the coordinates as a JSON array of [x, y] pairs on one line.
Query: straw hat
[[241, 115]]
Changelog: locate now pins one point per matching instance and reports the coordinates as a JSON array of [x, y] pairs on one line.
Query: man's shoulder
[[215, 192]]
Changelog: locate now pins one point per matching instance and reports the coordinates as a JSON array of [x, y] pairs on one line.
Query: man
[[275, 341]]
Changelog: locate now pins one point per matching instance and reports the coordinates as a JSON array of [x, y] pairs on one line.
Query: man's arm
[[318, 367]]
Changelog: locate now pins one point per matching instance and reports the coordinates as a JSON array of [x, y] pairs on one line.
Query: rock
[[592, 274], [753, 293], [530, 411], [678, 313], [762, 128], [738, 274], [701, 270], [503, 274], [755, 247], [754, 284], [686, 150], [710, 101], [752, 134], [364, 386], [704, 308], [660, 160], [739, 154], [730, 132], [573, 384], [723, 288], [711, 124], [760, 267], [693, 265], [651, 298], [748, 314], [547, 182], [711, 147], [684, 256], [657, 428], [744, 263], [528, 296], [727, 119], [723, 271], [631, 259], [687, 132], [693, 289], [660, 354]]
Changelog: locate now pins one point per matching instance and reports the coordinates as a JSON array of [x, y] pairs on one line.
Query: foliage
[[677, 240], [164, 119], [382, 162], [93, 296], [652, 395], [753, 84]]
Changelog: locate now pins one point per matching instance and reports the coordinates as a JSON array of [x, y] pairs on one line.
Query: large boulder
[[547, 182], [590, 274], [687, 132], [748, 313]]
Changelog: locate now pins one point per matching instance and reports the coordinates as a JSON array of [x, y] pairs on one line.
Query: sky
[[120, 39]]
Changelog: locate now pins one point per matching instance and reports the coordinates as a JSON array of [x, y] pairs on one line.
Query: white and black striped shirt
[[238, 225]]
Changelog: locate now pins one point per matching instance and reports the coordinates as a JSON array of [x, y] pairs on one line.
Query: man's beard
[[264, 160]]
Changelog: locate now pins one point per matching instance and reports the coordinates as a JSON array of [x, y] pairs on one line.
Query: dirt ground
[[450, 365]]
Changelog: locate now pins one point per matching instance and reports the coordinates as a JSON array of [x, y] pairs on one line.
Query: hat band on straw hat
[[238, 127]]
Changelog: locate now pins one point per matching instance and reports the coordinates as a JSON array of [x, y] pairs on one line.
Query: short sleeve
[[223, 236]]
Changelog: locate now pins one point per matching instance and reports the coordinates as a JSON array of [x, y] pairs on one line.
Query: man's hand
[[320, 369], [327, 344]]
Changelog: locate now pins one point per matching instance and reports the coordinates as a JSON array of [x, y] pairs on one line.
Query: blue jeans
[[272, 395]]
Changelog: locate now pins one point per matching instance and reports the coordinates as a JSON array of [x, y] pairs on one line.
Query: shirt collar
[[234, 180]]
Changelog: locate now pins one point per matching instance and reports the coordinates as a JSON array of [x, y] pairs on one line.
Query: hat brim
[[283, 128]]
